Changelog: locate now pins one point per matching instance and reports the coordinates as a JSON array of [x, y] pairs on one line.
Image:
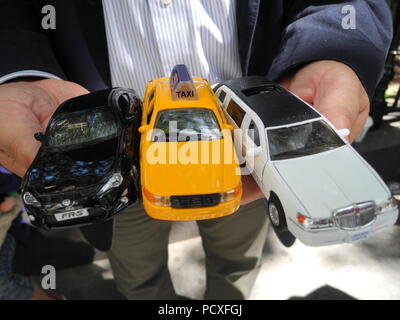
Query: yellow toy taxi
[[189, 169]]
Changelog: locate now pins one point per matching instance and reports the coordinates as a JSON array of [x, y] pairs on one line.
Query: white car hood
[[331, 180]]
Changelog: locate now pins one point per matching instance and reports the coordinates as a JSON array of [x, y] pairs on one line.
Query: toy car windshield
[[180, 125], [302, 140], [82, 127]]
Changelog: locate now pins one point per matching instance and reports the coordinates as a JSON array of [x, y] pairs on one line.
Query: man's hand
[[334, 90], [7, 205], [25, 109]]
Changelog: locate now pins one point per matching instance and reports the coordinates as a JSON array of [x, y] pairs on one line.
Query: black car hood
[[69, 171]]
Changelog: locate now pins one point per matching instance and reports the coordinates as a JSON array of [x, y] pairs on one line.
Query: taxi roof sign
[[182, 85]]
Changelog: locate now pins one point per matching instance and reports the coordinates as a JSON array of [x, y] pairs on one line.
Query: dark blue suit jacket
[[275, 37], [8, 183]]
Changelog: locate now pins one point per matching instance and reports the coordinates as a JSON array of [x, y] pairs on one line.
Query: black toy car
[[86, 168]]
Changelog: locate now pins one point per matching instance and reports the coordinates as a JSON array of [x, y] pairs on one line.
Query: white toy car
[[318, 187]]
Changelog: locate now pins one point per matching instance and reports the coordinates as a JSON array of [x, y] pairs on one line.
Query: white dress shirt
[[147, 38]]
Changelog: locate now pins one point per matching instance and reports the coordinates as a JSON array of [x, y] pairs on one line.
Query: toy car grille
[[357, 216], [78, 194], [54, 200], [198, 201]]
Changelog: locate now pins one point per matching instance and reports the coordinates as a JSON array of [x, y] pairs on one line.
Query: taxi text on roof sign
[[182, 86]]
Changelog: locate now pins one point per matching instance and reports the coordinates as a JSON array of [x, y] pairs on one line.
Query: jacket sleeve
[[24, 46], [8, 183], [314, 31]]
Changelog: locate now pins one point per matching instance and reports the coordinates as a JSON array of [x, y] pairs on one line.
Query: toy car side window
[[221, 96], [254, 133], [151, 97], [150, 114], [235, 112]]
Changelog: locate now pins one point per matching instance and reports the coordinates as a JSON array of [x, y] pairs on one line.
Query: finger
[[17, 144], [60, 90], [335, 91], [29, 97], [18, 124], [28, 108], [359, 124], [363, 113], [19, 155], [7, 205], [251, 191], [11, 165], [340, 103], [328, 103], [298, 88]]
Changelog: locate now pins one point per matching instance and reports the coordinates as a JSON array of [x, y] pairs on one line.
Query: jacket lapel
[[91, 19], [247, 15]]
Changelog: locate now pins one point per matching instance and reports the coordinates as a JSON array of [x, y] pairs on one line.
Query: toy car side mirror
[[39, 136], [254, 152], [130, 117], [144, 129], [344, 133]]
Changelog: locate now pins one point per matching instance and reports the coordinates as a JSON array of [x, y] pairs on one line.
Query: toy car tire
[[276, 214]]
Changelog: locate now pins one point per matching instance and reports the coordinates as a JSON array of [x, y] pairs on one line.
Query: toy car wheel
[[285, 237], [276, 214]]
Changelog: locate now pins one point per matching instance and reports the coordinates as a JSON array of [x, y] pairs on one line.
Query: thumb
[[19, 154], [28, 108], [334, 103], [58, 91], [338, 107], [17, 144]]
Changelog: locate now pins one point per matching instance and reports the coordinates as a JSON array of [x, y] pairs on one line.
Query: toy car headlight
[[388, 204], [231, 194], [30, 200], [314, 224], [114, 182], [157, 200]]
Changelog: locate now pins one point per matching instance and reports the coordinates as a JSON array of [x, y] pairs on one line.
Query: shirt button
[[166, 2]]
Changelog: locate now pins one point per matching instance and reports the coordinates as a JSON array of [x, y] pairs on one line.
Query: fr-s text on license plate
[[72, 215]]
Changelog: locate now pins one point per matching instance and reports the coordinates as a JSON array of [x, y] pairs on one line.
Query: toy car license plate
[[359, 236], [71, 215]]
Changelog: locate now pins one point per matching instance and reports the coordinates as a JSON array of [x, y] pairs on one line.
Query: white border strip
[[28, 73]]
